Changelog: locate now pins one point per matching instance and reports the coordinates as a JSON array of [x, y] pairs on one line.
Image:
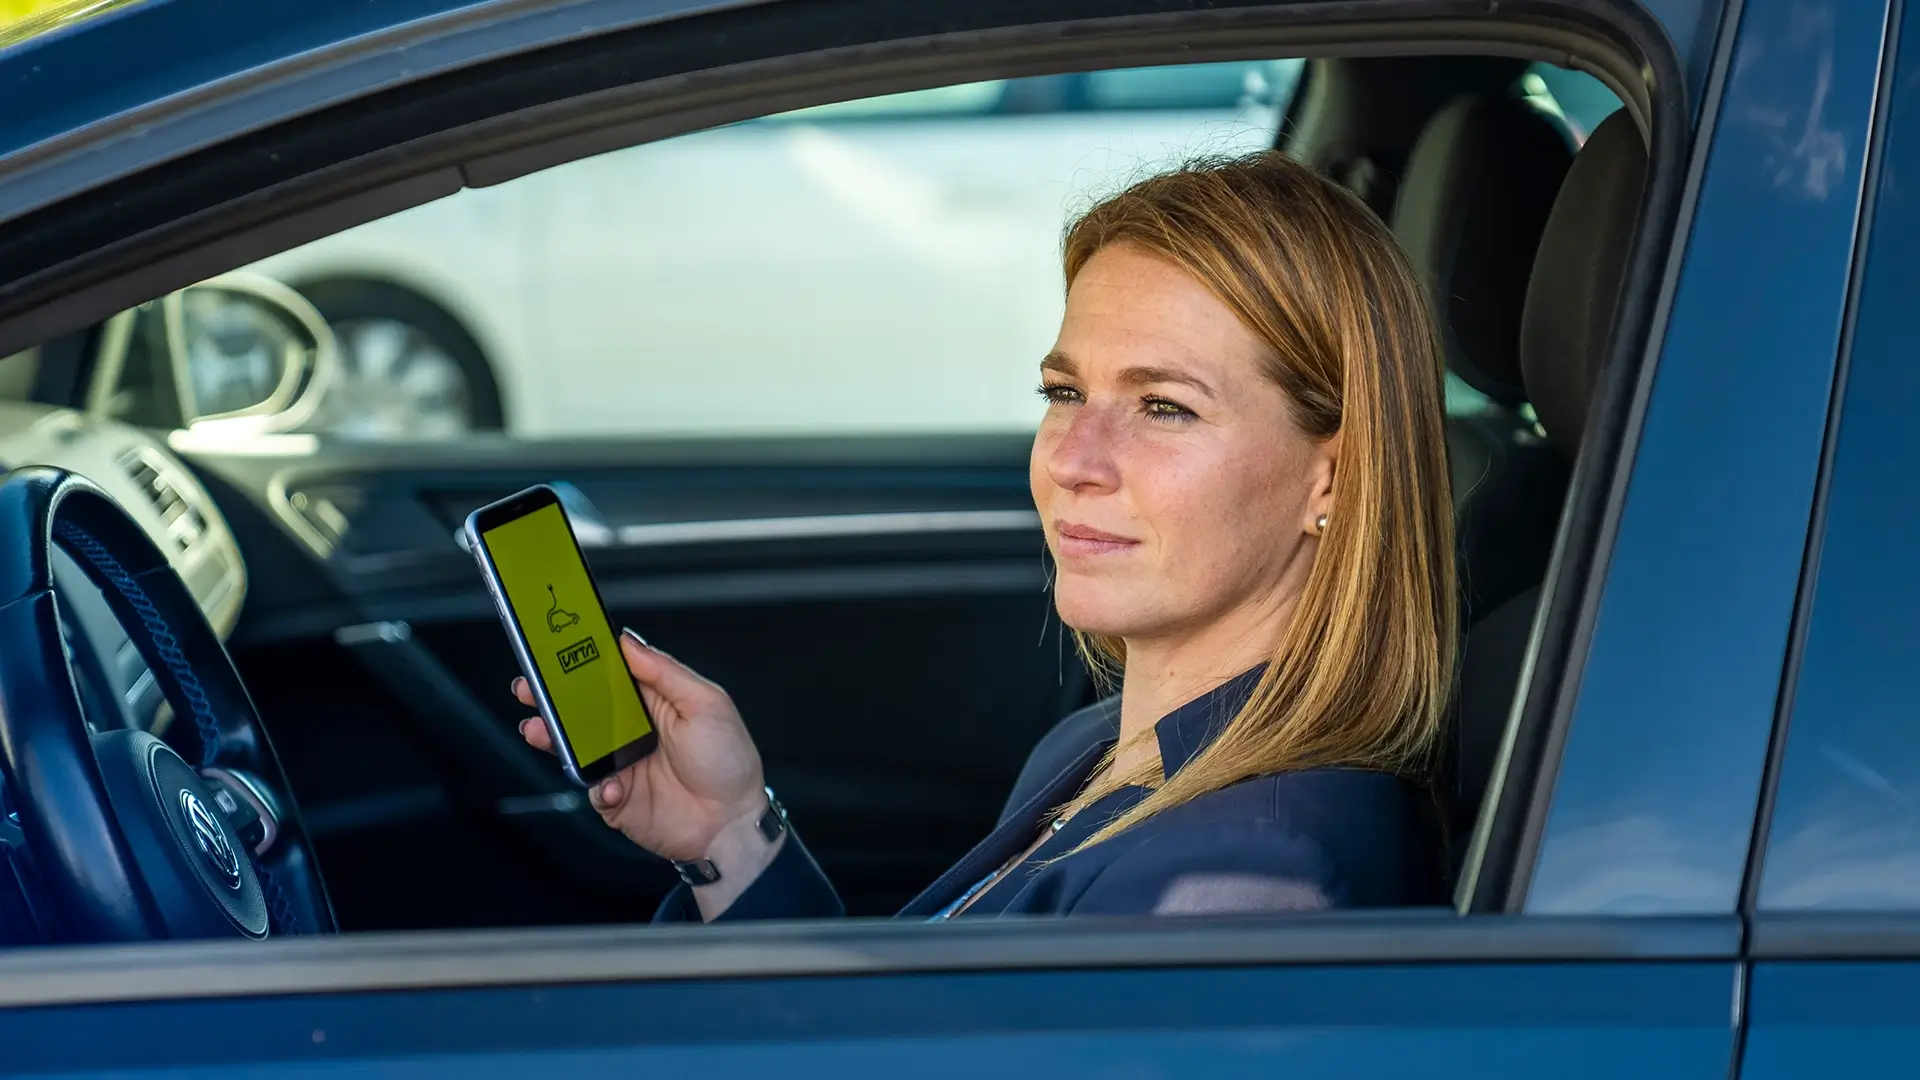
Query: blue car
[[1676, 251]]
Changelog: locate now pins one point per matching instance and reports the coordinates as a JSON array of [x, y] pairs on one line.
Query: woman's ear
[[1320, 508]]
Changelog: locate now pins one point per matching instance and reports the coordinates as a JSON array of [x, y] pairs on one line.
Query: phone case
[[518, 641]]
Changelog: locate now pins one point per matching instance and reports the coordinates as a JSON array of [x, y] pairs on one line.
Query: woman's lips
[[1083, 540]]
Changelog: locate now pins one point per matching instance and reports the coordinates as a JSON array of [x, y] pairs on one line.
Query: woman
[[1242, 479]]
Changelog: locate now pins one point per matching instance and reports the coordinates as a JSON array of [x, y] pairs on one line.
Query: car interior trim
[[388, 962], [804, 527], [971, 577]]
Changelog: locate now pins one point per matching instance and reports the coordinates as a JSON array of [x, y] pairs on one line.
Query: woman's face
[[1176, 491]]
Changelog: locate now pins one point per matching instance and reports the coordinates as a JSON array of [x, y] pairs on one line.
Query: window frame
[[391, 962], [1620, 41]]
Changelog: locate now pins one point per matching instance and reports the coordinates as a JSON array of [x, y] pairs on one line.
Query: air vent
[[154, 478]]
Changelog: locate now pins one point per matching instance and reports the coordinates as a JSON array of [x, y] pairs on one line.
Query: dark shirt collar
[[1192, 727]]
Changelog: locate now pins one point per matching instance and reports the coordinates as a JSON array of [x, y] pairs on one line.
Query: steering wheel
[[127, 840]]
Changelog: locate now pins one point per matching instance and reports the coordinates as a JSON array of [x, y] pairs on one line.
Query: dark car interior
[[374, 656]]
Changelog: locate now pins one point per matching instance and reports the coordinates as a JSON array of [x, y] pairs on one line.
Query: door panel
[[875, 606], [1573, 1020], [1834, 1018]]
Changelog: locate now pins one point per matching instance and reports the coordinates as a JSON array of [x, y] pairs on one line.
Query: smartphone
[[560, 632]]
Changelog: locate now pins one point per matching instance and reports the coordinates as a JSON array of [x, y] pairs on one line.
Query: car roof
[[171, 59], [109, 88]]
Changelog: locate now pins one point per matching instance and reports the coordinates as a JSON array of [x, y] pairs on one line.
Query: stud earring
[[1320, 523]]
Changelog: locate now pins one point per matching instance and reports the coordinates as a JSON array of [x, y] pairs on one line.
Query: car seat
[[1479, 186], [1565, 326]]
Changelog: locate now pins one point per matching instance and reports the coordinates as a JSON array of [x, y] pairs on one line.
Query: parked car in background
[[603, 296], [597, 297]]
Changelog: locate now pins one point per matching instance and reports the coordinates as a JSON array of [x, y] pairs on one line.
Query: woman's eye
[[1161, 409], [1058, 393]]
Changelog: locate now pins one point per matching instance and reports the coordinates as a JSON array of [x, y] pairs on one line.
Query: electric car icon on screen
[[559, 618]]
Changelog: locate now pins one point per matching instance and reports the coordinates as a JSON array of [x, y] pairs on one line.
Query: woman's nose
[[1083, 459]]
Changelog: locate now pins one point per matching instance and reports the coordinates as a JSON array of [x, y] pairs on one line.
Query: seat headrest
[[1478, 187], [1577, 277]]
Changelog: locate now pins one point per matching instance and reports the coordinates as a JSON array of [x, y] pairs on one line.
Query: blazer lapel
[[1015, 834]]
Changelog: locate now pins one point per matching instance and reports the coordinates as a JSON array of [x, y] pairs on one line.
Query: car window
[[1192, 86], [1179, 86], [894, 258], [1577, 97], [964, 99], [17, 373], [891, 262], [1845, 832]]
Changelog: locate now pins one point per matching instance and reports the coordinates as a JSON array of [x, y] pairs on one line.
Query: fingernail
[[523, 727], [629, 633], [513, 687]]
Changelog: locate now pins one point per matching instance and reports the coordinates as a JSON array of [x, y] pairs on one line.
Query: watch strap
[[697, 871], [774, 821], [772, 824]]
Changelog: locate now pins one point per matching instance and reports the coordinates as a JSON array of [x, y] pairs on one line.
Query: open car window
[[696, 285], [703, 284]]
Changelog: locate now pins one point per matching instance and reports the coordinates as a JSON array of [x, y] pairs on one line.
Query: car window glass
[[965, 99], [1846, 823], [1192, 86], [1577, 97], [17, 374]]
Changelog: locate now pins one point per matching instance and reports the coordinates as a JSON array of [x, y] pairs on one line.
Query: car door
[[1834, 893], [1583, 963]]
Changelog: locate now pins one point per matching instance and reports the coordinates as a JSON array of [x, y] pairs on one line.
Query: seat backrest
[[1568, 320], [1479, 185], [1478, 188]]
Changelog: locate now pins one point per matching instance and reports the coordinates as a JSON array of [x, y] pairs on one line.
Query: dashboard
[[160, 494]]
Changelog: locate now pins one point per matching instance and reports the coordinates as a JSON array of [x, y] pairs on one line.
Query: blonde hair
[[1362, 673]]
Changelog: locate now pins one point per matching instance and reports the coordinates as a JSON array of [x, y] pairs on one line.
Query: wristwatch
[[771, 824]]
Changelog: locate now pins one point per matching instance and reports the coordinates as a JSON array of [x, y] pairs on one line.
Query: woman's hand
[[701, 794]]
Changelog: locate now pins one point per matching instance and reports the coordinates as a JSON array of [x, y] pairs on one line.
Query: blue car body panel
[[1657, 1021], [1654, 806], [1845, 831], [1833, 1018], [237, 67]]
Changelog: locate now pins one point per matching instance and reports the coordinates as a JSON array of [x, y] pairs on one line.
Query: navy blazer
[[1298, 841]]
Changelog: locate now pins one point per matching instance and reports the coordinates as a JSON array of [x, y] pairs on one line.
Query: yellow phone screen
[[594, 698]]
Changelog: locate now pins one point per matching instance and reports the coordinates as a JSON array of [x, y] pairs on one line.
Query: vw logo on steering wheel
[[210, 839]]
